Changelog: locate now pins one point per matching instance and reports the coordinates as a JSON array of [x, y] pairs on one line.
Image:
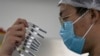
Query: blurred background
[[44, 13]]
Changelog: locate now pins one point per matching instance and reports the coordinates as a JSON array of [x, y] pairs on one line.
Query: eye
[[65, 18]]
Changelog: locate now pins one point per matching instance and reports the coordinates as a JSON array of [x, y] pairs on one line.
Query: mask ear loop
[[80, 17], [88, 30]]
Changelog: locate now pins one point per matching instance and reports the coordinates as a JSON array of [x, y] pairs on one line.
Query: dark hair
[[81, 10]]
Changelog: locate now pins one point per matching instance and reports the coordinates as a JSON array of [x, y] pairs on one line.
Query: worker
[[80, 28], [80, 25]]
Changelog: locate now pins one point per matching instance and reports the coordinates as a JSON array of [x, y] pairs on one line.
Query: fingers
[[19, 27], [18, 22], [21, 21], [19, 34], [18, 41], [17, 31]]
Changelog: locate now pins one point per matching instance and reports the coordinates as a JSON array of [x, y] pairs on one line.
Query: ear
[[94, 16]]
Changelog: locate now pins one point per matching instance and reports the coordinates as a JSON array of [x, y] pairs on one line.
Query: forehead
[[66, 9]]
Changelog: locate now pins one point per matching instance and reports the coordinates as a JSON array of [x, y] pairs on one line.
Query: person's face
[[69, 13], [81, 26]]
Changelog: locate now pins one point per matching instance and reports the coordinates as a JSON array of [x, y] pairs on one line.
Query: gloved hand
[[13, 37]]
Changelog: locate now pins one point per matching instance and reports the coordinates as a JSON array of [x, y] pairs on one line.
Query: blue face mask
[[71, 40]]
